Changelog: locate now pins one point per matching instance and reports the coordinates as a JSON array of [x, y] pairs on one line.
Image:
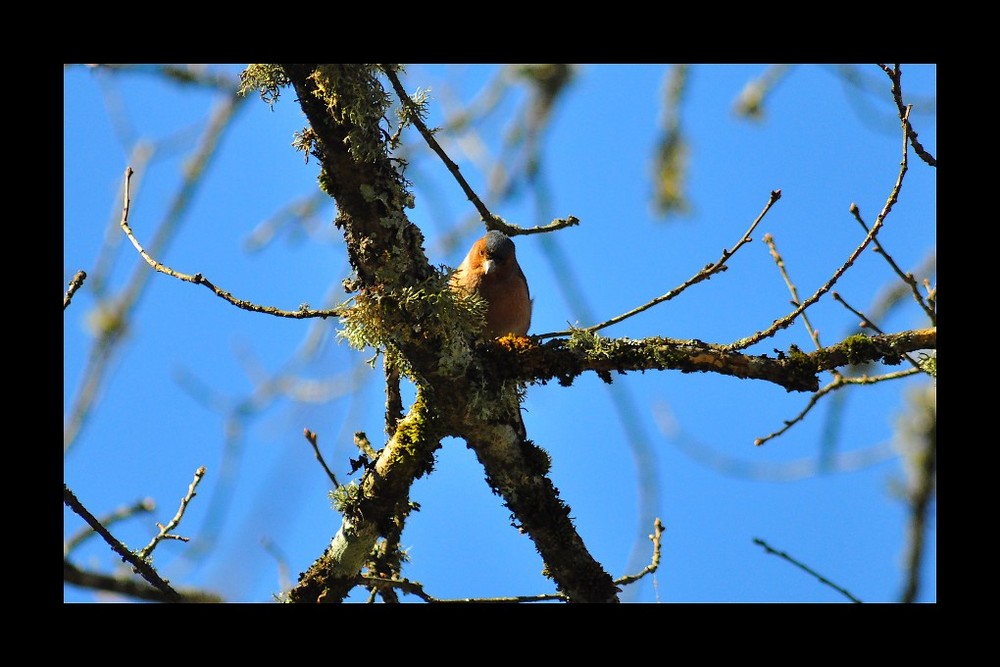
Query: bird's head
[[496, 251]]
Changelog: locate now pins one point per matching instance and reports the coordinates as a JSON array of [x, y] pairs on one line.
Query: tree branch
[[704, 274], [785, 321], [345, 106], [805, 568], [895, 74], [491, 221], [564, 360], [174, 522], [370, 508], [144, 569], [74, 284], [517, 470], [199, 279]]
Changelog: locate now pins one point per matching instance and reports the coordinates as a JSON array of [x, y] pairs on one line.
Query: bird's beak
[[488, 266]]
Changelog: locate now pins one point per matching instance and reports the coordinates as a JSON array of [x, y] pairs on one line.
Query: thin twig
[[199, 279], [415, 588], [772, 248], [144, 569], [905, 277], [654, 563], [707, 272], [74, 284], [298, 213], [120, 514], [822, 579], [164, 533], [491, 221], [785, 321], [895, 74], [839, 382], [314, 441]]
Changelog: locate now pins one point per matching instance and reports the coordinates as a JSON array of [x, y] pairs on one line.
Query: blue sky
[[182, 391]]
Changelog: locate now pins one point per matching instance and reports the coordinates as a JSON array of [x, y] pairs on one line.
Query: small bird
[[491, 270]]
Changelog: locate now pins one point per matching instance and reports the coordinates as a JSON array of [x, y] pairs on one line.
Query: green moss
[[345, 498], [354, 98], [417, 436], [268, 80], [858, 349], [928, 364], [583, 341], [415, 316]]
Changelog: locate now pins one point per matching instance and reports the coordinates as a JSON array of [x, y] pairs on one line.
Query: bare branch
[[144, 569], [116, 311], [672, 148], [284, 581], [145, 505], [199, 279], [750, 103], [165, 533], [895, 74], [491, 221], [707, 272], [654, 563], [839, 382], [313, 440], [822, 579], [772, 248], [867, 323], [74, 284], [785, 321], [793, 369], [905, 277]]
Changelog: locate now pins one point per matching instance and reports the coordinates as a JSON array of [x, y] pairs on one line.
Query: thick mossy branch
[[565, 359], [376, 507], [517, 470], [401, 304], [346, 107]]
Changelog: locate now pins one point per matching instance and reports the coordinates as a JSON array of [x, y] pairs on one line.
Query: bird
[[491, 271]]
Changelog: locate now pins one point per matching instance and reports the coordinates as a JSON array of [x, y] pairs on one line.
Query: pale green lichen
[[355, 98], [492, 404], [590, 344], [416, 315], [267, 79], [345, 497], [353, 95], [418, 110], [581, 339], [928, 364]]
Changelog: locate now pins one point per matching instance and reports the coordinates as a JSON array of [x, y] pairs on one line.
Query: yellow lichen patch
[[513, 343]]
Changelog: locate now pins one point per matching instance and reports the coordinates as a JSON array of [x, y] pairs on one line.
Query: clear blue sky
[[183, 389]]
